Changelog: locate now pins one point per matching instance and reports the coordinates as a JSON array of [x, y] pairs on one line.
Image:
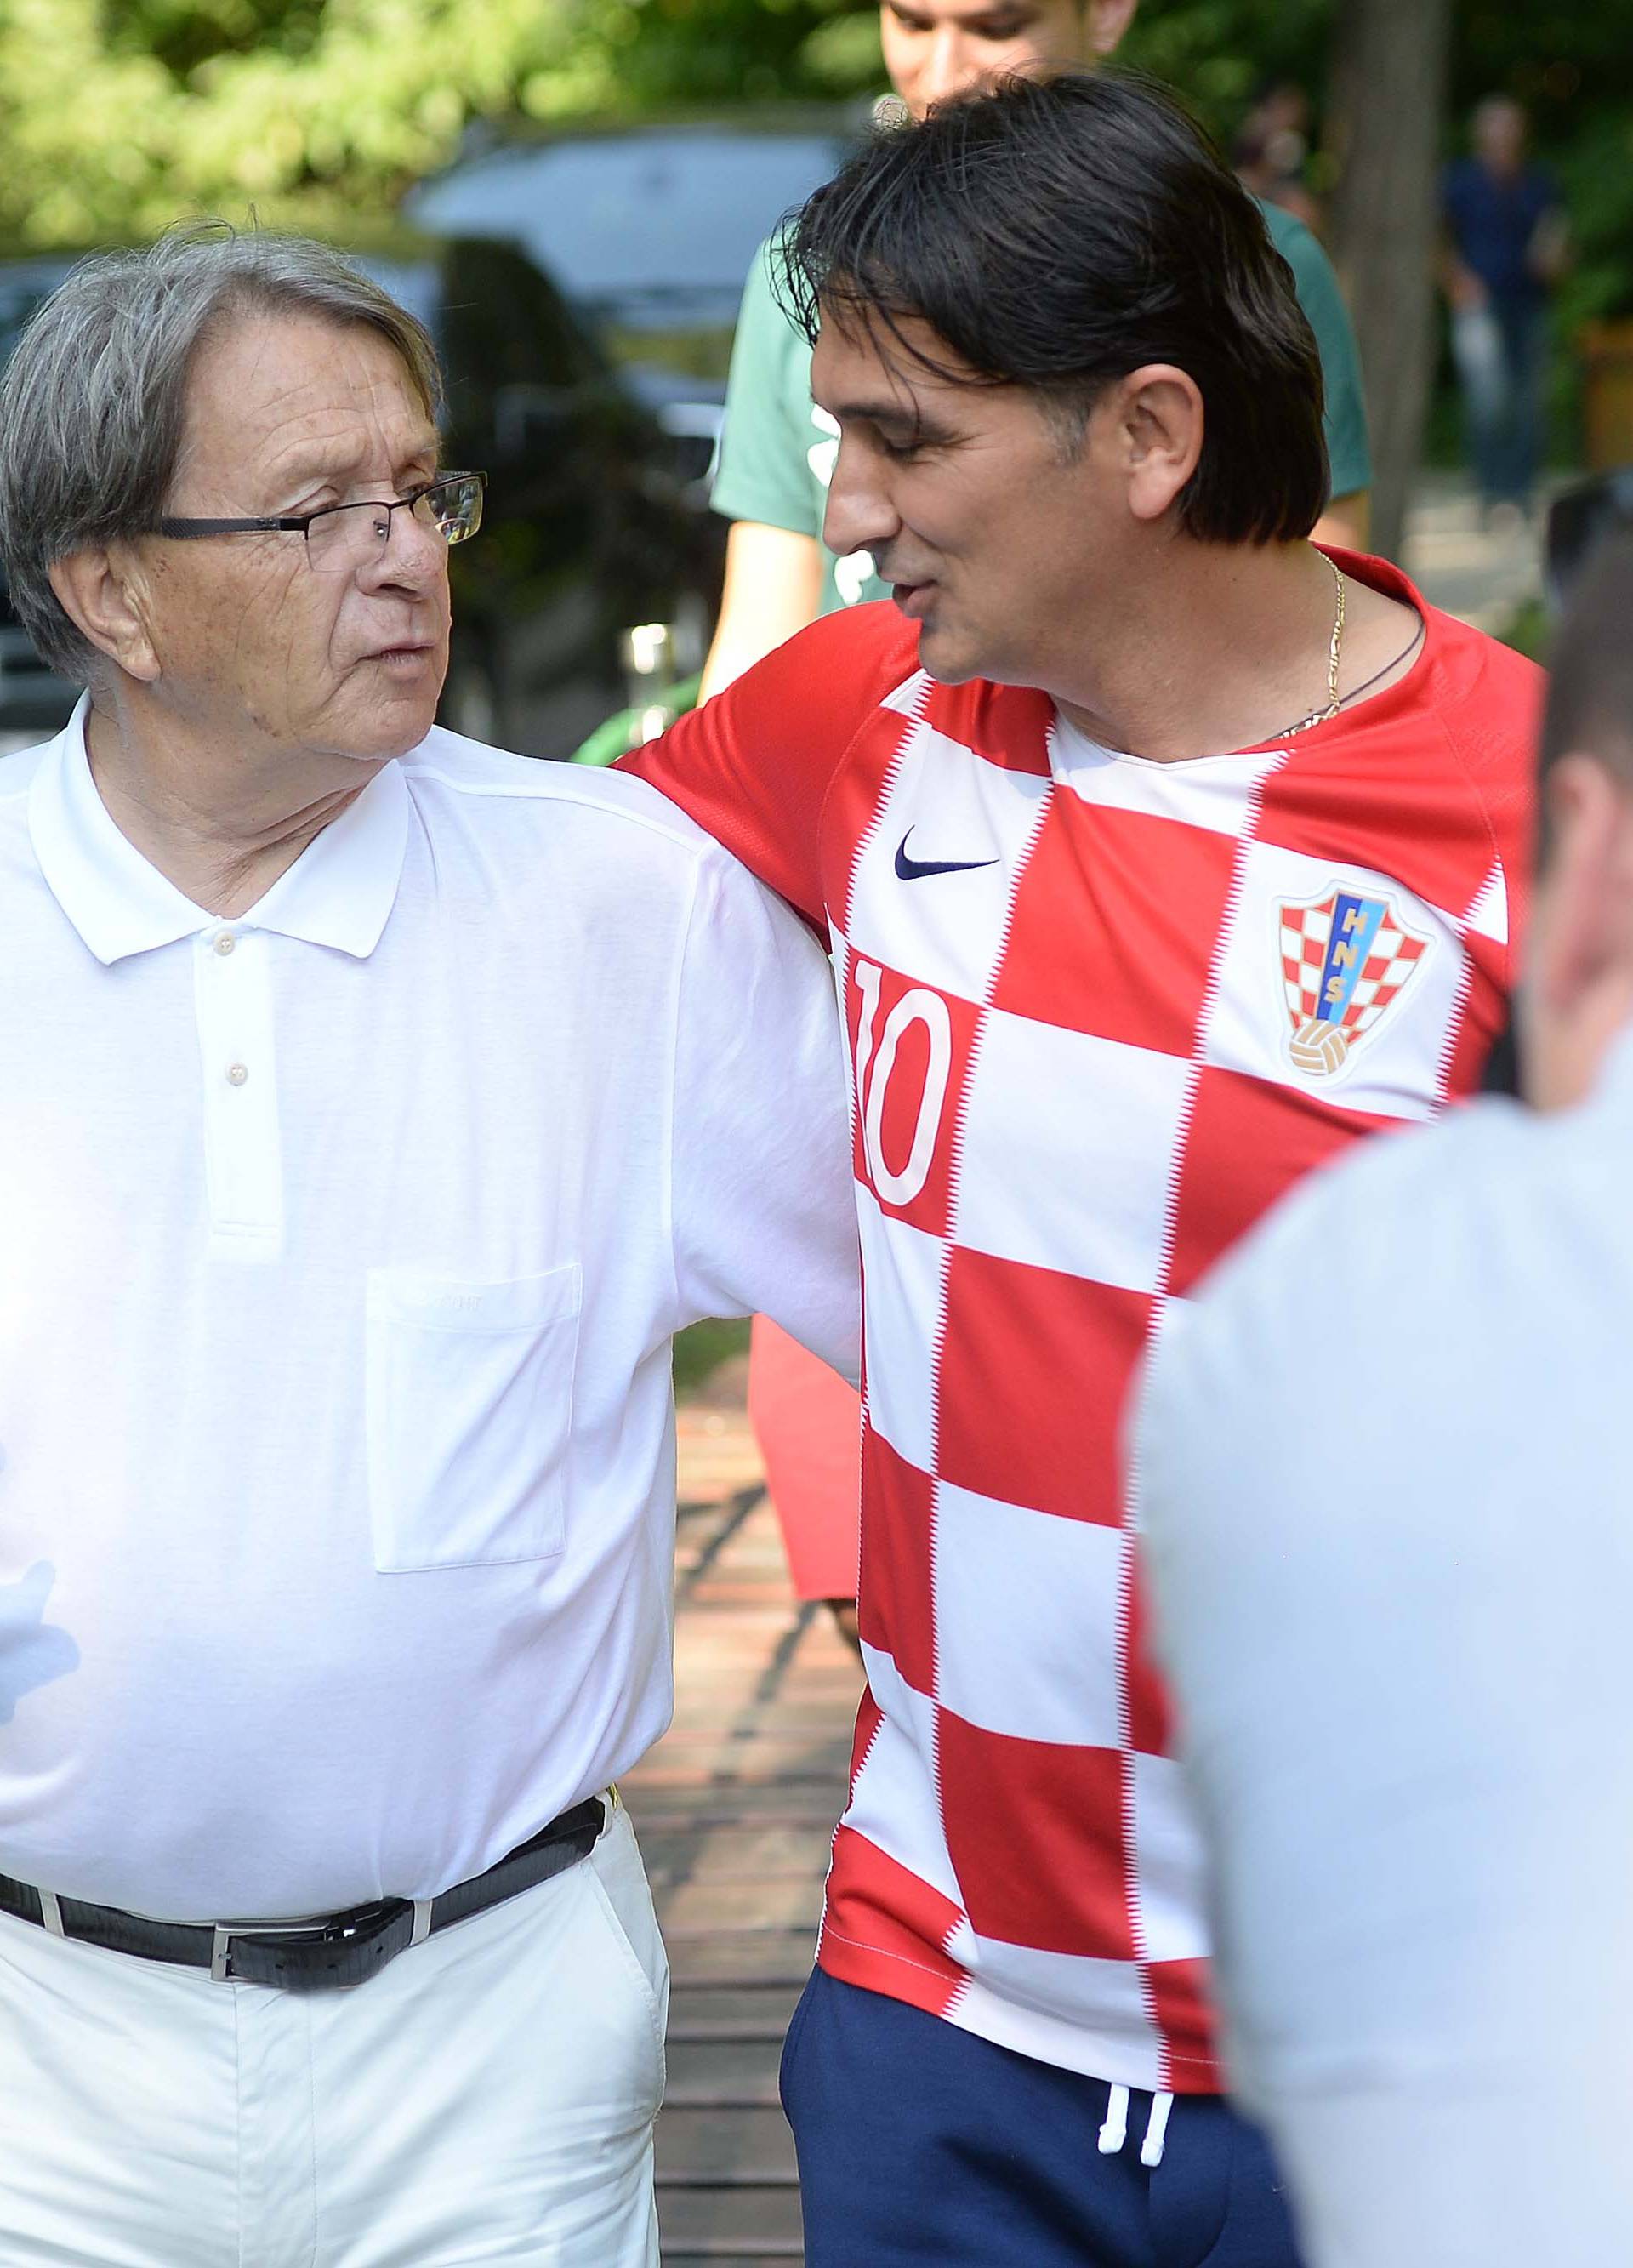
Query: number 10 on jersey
[[903, 1067]]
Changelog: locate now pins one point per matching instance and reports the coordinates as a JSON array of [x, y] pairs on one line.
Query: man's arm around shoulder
[[753, 766], [762, 1205]]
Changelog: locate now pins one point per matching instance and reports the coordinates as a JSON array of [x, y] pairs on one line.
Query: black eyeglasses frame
[[187, 531]]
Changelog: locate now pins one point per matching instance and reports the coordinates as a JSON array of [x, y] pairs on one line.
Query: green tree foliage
[[1221, 51], [117, 116]]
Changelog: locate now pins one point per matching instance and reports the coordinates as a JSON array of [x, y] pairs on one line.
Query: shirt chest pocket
[[470, 1399]]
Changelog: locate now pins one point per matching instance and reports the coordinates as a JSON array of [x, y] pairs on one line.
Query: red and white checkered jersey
[[1102, 1013]]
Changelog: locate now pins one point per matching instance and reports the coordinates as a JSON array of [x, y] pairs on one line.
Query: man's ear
[[1156, 424], [1590, 870], [102, 590], [1580, 979], [1108, 21]]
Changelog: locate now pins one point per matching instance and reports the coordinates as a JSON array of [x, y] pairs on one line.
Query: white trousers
[[487, 2098]]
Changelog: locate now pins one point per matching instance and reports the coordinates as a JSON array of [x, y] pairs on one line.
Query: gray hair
[[93, 401]]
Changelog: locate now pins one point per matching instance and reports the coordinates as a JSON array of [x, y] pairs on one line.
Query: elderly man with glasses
[[373, 1108]]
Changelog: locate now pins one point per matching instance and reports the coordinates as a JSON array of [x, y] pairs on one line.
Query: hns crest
[[1345, 960]]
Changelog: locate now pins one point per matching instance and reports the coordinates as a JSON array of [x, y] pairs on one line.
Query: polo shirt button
[[225, 942], [237, 1073]]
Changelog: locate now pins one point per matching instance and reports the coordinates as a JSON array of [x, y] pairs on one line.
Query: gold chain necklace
[[1321, 716]]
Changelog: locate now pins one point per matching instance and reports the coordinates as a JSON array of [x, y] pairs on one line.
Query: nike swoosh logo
[[913, 870]]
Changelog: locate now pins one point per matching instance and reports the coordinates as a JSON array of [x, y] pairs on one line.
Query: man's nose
[[414, 554], [951, 64], [860, 515]]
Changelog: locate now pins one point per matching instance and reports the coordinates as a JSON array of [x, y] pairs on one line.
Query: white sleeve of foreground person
[[763, 1199], [1389, 1500]]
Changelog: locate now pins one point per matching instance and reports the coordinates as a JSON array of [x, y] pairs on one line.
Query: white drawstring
[[1114, 2132], [1156, 2131]]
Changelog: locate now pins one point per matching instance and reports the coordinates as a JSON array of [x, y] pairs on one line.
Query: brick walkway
[[735, 1808]]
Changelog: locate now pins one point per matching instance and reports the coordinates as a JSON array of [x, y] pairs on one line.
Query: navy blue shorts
[[919, 2143]]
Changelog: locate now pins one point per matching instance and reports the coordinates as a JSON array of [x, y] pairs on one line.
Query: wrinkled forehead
[[273, 389]]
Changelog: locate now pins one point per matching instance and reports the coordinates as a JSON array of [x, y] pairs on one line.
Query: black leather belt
[[320, 1955]]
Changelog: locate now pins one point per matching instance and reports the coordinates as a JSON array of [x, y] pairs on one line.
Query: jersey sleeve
[[754, 765], [763, 474], [1349, 454], [762, 1206]]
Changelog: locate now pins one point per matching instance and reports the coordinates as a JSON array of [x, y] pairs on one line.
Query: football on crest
[[1320, 1047]]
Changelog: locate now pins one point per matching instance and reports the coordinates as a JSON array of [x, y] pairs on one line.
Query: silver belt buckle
[[221, 1946]]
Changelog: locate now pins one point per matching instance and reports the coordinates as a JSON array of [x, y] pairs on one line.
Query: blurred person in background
[[374, 1107], [1389, 1504], [1506, 246], [778, 450], [1272, 149], [1162, 855]]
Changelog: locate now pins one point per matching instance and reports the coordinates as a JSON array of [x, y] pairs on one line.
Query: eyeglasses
[[344, 537]]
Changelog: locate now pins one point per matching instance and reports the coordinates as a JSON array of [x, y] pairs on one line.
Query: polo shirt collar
[[338, 893], [341, 890]]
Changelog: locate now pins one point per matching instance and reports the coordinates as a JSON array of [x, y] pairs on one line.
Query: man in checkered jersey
[[1161, 855]]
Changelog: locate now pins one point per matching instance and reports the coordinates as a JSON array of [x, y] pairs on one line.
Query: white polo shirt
[[341, 1245], [1389, 1498]]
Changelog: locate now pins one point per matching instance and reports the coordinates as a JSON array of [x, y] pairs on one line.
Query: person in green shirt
[[778, 450]]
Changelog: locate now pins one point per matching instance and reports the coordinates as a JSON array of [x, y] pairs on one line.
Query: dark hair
[[1589, 694], [1058, 233]]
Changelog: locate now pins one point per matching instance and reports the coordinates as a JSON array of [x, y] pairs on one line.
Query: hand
[[1465, 290], [1548, 254]]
